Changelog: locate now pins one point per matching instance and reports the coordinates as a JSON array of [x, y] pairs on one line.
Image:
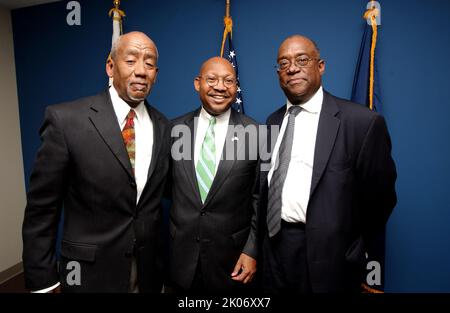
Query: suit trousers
[[134, 287], [285, 267], [198, 284]]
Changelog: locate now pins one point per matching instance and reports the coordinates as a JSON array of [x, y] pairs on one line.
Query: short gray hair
[[116, 45]]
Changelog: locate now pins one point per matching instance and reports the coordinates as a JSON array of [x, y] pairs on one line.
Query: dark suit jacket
[[83, 165], [352, 191], [219, 230]]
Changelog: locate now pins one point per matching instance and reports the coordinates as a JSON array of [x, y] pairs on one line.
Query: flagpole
[[117, 14]]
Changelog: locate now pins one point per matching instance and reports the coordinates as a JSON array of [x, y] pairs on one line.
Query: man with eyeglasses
[[212, 218], [331, 182]]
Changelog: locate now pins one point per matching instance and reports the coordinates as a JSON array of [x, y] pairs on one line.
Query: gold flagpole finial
[[372, 12], [121, 13], [117, 14]]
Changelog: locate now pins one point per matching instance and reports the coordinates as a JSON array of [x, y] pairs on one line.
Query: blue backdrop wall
[[56, 62]]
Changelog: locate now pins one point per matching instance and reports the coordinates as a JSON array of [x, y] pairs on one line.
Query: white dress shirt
[[297, 186], [220, 132], [143, 128]]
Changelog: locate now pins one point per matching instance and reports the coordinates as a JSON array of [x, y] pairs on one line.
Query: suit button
[[202, 212], [197, 239], [133, 184]]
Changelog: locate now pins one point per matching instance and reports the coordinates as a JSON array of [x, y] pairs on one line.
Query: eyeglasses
[[300, 61], [213, 81]]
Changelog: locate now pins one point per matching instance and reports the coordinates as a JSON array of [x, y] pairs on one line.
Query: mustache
[[224, 94], [296, 78], [138, 83]]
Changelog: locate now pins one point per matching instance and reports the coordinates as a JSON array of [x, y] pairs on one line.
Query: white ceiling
[[15, 4]]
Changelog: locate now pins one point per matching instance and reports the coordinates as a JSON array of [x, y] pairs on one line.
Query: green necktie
[[206, 165]]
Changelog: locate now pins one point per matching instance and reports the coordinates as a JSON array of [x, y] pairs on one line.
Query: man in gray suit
[[212, 218]]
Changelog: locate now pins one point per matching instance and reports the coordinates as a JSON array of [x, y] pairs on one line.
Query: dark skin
[[133, 67], [134, 71], [217, 100], [300, 83]]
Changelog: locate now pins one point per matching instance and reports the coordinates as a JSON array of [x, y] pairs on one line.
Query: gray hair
[[116, 45]]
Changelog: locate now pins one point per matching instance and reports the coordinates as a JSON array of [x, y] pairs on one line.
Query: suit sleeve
[[377, 176], [48, 183], [251, 246]]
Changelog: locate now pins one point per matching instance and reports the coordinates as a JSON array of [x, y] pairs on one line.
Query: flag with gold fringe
[[229, 52], [366, 90]]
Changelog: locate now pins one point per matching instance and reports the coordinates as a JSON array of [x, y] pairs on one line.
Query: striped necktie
[[129, 136], [279, 174], [206, 165]]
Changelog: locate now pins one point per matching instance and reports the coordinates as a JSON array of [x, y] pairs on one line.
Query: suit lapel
[[105, 122], [225, 166], [157, 139], [189, 165], [326, 135], [277, 120]]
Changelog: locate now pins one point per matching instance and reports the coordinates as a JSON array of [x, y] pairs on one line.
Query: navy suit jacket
[[352, 191]]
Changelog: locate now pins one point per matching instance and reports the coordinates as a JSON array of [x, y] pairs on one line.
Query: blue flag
[[361, 93], [361, 81], [230, 54]]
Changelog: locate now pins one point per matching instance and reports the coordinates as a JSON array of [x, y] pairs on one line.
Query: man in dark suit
[[104, 159], [330, 181], [212, 218]]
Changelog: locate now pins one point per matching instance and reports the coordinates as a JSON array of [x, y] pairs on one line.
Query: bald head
[[130, 37], [133, 67], [300, 68], [306, 41], [216, 61], [216, 85]]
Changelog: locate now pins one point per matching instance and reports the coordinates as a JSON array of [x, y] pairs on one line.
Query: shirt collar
[[313, 105], [122, 108], [224, 117]]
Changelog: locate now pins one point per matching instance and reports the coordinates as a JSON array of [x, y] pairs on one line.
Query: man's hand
[[245, 269]]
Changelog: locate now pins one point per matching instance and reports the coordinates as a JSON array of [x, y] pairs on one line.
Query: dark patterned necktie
[[279, 174], [129, 137]]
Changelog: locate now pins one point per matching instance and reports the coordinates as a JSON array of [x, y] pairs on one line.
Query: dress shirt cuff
[[47, 289]]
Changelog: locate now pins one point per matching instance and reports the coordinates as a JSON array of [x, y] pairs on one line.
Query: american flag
[[230, 53]]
